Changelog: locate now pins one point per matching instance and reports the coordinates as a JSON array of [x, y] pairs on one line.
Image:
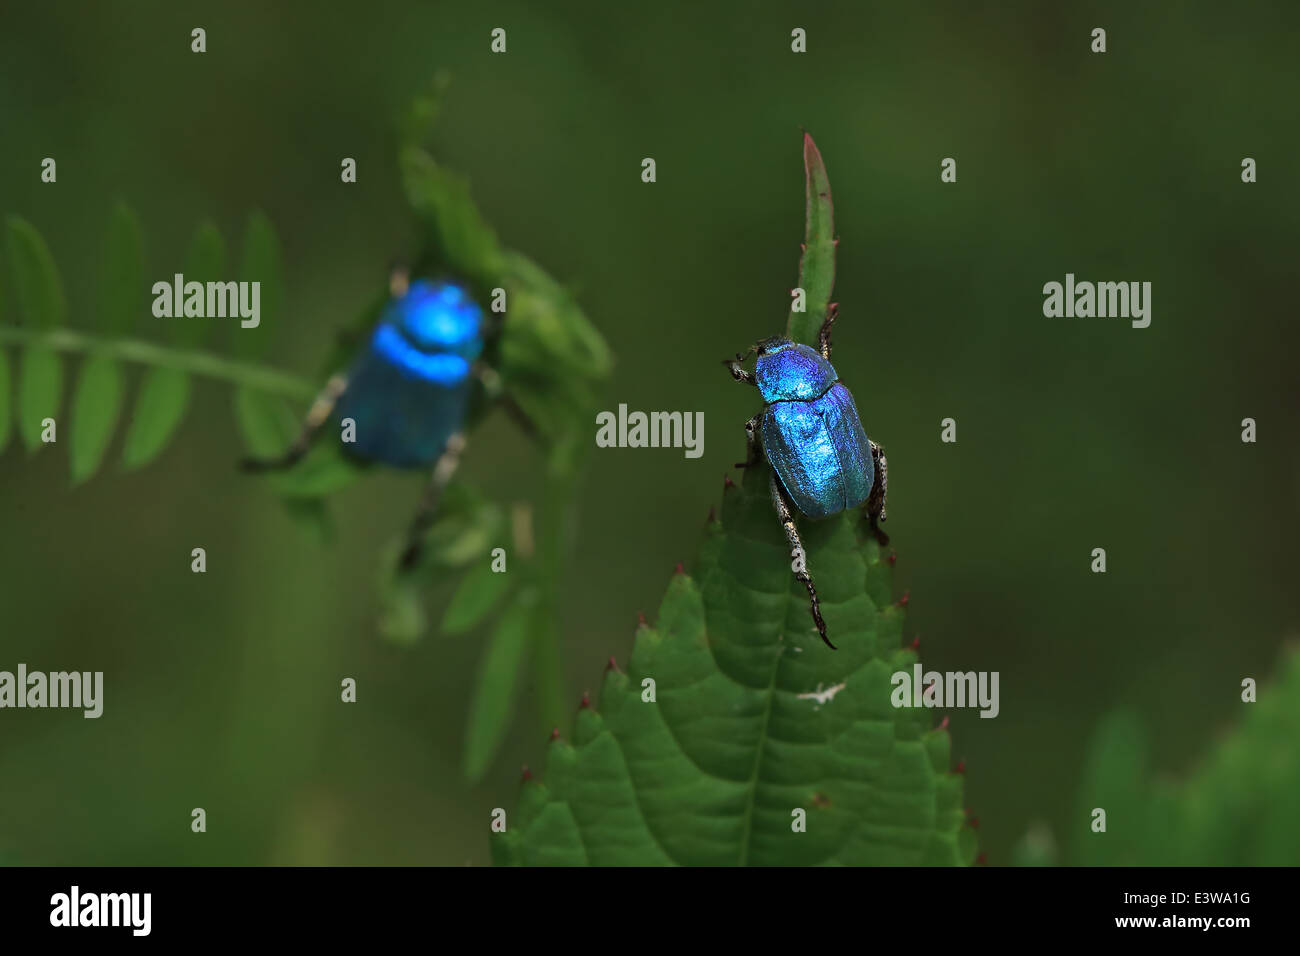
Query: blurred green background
[[222, 690]]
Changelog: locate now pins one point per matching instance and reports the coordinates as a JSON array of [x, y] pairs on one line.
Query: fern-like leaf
[[95, 410]]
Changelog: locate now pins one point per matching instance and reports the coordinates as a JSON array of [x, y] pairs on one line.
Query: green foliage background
[[221, 689]]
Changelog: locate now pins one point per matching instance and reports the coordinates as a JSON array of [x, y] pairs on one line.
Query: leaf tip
[[555, 733], [612, 665], [961, 766], [680, 569], [585, 703], [893, 558], [907, 596]]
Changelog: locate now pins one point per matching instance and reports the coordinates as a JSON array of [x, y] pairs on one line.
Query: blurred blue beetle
[[809, 431], [408, 392]]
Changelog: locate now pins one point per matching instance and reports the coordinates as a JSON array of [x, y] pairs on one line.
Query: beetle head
[[771, 344]]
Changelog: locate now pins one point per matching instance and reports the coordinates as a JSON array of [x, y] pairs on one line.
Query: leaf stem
[[196, 362]]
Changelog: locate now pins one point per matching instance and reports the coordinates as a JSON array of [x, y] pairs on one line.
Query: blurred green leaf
[[754, 718], [554, 364], [313, 516], [261, 263], [402, 617], [1112, 782], [1036, 848], [464, 529], [39, 290], [159, 409], [479, 591], [96, 405], [323, 471], [1237, 808], [817, 265], [496, 688], [6, 413], [205, 261], [40, 391], [265, 422], [124, 291], [453, 227], [416, 122]]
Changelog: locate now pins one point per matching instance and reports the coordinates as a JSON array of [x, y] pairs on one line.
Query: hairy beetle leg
[[753, 449], [785, 513], [876, 501], [738, 373], [317, 416], [824, 334], [448, 461]]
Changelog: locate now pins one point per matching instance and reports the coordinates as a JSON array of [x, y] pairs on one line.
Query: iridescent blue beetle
[[408, 392], [809, 431]]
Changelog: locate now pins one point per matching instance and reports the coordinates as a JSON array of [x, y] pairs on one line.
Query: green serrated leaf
[[6, 413], [265, 422], [817, 265], [479, 591], [96, 405], [40, 392], [205, 261], [36, 279], [261, 263], [753, 719], [124, 292], [494, 692], [159, 409]]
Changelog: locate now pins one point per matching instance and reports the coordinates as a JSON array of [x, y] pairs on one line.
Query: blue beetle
[[809, 431], [408, 392]]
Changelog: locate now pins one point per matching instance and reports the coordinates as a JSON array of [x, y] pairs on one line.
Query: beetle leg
[[753, 448], [494, 391], [824, 336], [428, 507], [876, 500], [786, 514], [738, 373], [317, 416]]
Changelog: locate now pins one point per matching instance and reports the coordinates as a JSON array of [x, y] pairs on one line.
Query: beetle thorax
[[786, 371]]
